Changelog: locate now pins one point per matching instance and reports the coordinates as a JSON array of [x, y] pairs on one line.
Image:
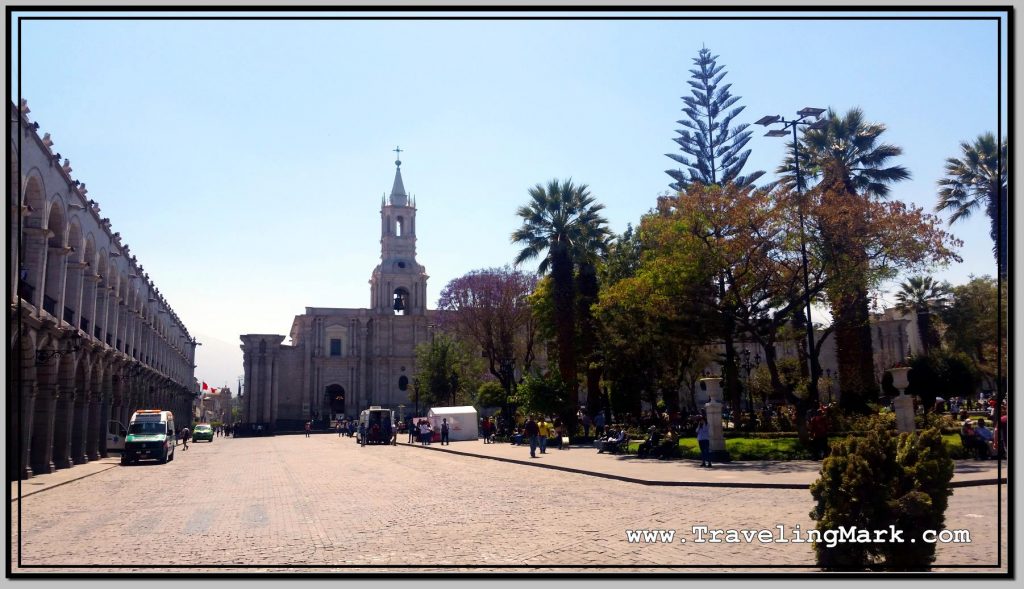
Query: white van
[[151, 434]]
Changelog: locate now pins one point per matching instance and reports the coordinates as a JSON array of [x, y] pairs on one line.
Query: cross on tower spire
[[398, 155]]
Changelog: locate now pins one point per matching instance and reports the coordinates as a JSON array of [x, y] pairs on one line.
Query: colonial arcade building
[[340, 361], [91, 338]]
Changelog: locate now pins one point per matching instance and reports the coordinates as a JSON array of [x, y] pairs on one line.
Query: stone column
[[903, 404], [43, 427], [80, 427], [105, 401], [93, 434], [29, 392], [65, 415], [713, 412]]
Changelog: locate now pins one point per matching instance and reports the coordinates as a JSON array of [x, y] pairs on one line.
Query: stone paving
[[323, 504]]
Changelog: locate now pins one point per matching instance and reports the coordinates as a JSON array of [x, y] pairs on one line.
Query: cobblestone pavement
[[324, 504]]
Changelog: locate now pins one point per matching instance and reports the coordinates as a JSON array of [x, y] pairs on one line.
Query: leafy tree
[[715, 151], [560, 219], [445, 370], [845, 154], [971, 323], [542, 395], [490, 394], [942, 374], [623, 258], [490, 309], [979, 179], [923, 296]]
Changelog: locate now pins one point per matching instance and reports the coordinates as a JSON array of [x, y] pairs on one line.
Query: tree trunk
[[565, 320], [854, 350]]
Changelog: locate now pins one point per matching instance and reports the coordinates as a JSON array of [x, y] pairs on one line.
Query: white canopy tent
[[462, 422]]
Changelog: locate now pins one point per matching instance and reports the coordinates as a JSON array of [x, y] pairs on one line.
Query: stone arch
[[56, 256], [14, 204], [400, 301], [75, 273], [334, 397], [100, 293], [88, 312], [30, 250]]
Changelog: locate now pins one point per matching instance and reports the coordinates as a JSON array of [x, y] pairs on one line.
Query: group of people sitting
[[978, 439], [614, 442]]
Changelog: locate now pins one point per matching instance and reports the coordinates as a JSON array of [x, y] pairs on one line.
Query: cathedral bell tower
[[398, 285]]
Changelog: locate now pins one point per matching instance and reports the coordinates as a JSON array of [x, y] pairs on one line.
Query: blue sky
[[244, 161]]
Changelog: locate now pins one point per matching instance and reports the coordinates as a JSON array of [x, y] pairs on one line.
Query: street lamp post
[[416, 392], [817, 123], [748, 366]]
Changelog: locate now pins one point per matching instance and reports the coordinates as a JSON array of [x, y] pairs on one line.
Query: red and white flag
[[205, 387], [213, 391]]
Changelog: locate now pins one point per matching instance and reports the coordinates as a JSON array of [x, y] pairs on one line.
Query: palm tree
[[851, 144], [560, 220], [845, 154], [923, 295], [979, 179]]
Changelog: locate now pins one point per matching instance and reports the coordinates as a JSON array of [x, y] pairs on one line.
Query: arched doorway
[[335, 395]]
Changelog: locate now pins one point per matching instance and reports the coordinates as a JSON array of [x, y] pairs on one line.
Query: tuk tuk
[[376, 426]]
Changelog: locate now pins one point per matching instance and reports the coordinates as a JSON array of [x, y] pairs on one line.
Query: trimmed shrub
[[877, 481]]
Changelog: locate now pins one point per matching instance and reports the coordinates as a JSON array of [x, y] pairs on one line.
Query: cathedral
[[341, 361]]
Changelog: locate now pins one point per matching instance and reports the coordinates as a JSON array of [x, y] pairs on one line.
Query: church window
[[335, 347], [403, 383], [399, 226], [401, 264]]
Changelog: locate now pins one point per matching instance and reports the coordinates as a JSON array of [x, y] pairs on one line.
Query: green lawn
[[778, 448]]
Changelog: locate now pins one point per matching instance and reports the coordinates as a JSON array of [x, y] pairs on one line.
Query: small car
[[203, 431]]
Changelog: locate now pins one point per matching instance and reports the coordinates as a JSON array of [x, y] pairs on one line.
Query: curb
[[23, 495], [650, 483]]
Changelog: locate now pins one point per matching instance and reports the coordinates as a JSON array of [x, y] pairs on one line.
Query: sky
[[244, 161]]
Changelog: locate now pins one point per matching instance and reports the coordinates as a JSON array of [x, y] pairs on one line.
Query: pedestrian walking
[[531, 430], [184, 437], [340, 426], [704, 442], [413, 430], [309, 427], [543, 431], [444, 432]]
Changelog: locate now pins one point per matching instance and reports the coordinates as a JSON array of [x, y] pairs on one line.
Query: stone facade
[[341, 361], [92, 339]]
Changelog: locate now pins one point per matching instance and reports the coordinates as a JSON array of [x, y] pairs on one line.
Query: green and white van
[[151, 435]]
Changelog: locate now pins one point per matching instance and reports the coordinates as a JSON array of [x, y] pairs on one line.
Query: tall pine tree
[[713, 151]]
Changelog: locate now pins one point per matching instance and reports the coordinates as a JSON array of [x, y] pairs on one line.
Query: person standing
[[444, 432], [704, 442], [340, 426], [818, 428], [531, 430], [184, 437], [485, 429], [410, 424], [309, 427], [586, 424], [599, 424]]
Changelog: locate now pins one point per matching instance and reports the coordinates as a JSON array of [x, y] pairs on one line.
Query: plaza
[[324, 504]]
